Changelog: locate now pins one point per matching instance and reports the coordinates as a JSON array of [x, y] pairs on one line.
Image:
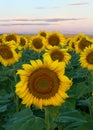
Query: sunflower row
[[43, 82]]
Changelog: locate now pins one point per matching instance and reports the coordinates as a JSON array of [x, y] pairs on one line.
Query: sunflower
[[10, 37], [43, 83], [8, 55], [42, 33], [1, 39], [86, 58], [37, 43], [82, 44], [68, 41], [71, 44], [56, 53], [55, 39], [23, 43], [79, 37]]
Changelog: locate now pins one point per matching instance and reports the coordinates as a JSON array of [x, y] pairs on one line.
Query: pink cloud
[[41, 20], [81, 3]]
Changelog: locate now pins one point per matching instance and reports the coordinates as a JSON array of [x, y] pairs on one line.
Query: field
[[46, 81]]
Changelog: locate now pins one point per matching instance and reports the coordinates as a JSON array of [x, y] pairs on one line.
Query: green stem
[[48, 119], [60, 127], [16, 103]]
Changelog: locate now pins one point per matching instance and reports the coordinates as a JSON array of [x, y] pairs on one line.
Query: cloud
[[80, 3], [62, 19], [34, 22], [56, 7], [40, 7], [40, 20], [24, 24]]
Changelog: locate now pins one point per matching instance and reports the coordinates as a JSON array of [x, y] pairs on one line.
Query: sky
[[32, 16]]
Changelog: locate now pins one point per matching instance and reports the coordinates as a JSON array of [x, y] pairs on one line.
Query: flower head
[[56, 53], [43, 84], [8, 55], [43, 33], [10, 37], [23, 43], [37, 43], [83, 43], [71, 44], [86, 58], [55, 39], [79, 37]]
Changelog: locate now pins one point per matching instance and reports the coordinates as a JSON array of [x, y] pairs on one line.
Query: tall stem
[[47, 119]]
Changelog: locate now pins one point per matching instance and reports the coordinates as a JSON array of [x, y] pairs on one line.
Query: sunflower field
[[46, 81]]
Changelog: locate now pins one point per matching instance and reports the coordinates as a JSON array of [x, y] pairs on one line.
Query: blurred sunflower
[[23, 43], [79, 37], [10, 37], [37, 43], [68, 41], [43, 84], [86, 58], [1, 39], [8, 54], [56, 53], [71, 44], [82, 44], [55, 39], [42, 33]]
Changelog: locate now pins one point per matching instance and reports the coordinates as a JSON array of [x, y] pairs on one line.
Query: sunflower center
[[37, 43], [57, 55], [43, 34], [90, 58], [84, 43], [54, 40], [43, 83], [22, 42], [5, 52], [11, 37]]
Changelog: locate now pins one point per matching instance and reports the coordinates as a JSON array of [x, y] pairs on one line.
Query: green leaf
[[3, 108], [3, 100], [83, 103], [25, 120], [82, 89], [3, 78], [68, 105], [79, 90], [86, 126], [71, 119]]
